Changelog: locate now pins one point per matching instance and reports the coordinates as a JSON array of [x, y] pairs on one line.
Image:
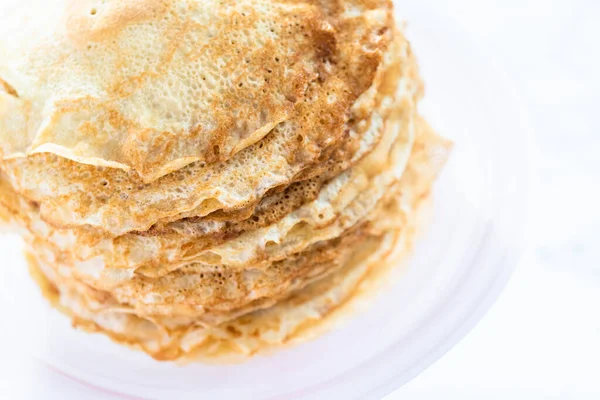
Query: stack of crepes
[[205, 178]]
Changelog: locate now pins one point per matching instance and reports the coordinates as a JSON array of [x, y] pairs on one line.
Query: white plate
[[458, 268]]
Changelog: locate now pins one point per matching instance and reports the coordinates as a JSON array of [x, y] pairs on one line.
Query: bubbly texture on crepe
[[201, 179], [74, 194], [155, 85], [341, 203]]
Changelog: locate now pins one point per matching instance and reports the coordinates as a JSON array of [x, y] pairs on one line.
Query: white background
[[542, 338]]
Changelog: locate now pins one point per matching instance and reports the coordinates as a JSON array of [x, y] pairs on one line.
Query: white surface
[[541, 339]]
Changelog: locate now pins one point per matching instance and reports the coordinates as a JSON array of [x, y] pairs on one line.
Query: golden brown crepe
[[203, 179]]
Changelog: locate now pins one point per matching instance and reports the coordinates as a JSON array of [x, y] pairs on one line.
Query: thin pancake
[[342, 203], [209, 295], [155, 85], [137, 249], [246, 334], [199, 290], [75, 194]]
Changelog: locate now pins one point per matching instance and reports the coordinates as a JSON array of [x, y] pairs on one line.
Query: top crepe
[[349, 100], [152, 86]]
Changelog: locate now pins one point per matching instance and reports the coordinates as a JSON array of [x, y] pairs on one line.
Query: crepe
[[340, 204], [155, 85], [345, 100], [430, 152], [246, 334]]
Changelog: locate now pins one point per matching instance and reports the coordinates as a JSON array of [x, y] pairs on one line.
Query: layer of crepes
[[341, 203], [155, 85], [206, 295], [290, 320], [214, 293], [72, 194]]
